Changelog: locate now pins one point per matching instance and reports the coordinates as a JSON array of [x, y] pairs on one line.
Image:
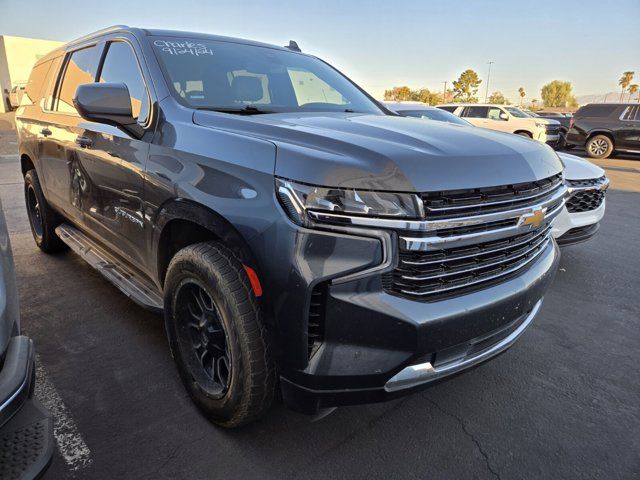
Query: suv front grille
[[585, 201], [457, 203], [588, 195], [475, 238], [552, 129], [452, 269]]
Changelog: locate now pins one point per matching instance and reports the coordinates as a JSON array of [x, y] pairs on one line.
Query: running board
[[132, 284]]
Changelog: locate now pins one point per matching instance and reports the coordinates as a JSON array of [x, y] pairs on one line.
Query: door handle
[[45, 132], [84, 142]]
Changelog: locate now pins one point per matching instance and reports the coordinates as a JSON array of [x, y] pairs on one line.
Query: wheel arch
[[26, 163], [606, 133], [523, 130], [182, 222]]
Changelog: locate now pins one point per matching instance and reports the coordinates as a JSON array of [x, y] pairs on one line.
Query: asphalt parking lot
[[564, 402]]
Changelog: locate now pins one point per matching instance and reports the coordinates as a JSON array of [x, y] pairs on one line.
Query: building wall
[[17, 56]]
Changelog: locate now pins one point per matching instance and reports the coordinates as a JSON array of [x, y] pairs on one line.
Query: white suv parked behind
[[507, 118]]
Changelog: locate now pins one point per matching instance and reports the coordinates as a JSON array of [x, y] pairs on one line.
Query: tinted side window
[[632, 113], [121, 66], [476, 112], [33, 89], [599, 111], [448, 109], [80, 69]]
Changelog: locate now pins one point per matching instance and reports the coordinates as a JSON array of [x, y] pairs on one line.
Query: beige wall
[[17, 56]]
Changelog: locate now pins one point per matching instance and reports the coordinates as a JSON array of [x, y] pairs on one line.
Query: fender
[[220, 227]]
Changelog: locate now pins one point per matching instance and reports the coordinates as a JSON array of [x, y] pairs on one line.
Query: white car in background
[[507, 118], [585, 205], [587, 184]]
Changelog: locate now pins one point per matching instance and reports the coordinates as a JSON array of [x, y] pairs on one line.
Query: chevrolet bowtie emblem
[[534, 219]]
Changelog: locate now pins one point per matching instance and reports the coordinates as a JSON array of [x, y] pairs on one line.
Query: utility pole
[[486, 94], [444, 95]]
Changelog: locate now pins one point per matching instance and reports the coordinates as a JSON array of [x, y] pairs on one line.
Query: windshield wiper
[[246, 110]]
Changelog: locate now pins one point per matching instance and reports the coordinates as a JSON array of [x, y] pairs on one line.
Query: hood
[[576, 168], [546, 121], [384, 152]]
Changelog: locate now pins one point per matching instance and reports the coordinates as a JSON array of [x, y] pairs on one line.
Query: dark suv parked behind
[[287, 225], [602, 128]]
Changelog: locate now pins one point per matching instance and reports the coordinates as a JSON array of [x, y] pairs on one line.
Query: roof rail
[[102, 31]]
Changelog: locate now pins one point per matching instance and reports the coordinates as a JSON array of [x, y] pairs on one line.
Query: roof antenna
[[293, 46]]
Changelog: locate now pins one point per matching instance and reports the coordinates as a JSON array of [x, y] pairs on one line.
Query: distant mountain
[[610, 97]]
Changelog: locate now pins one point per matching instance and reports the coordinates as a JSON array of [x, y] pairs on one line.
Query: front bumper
[[577, 222], [25, 426], [371, 337]]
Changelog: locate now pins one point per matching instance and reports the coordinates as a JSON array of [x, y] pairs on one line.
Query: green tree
[[522, 94], [398, 94], [424, 95], [497, 98], [625, 81], [633, 89], [558, 94], [466, 87]]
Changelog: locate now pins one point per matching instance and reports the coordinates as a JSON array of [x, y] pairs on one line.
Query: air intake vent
[[315, 329]]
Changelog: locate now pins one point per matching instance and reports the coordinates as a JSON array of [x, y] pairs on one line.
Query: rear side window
[[80, 69], [632, 113], [33, 89], [448, 109], [476, 112], [121, 66], [598, 111]]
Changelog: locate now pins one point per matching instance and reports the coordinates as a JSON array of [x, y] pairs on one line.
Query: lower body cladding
[[362, 343], [571, 228]]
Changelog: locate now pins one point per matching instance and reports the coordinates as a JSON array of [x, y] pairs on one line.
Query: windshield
[[516, 112], [235, 77], [435, 114]]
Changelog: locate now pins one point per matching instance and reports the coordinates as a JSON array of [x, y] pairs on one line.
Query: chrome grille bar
[[479, 265], [512, 269]]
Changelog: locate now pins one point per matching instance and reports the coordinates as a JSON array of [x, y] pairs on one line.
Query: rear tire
[[42, 219], [599, 146], [217, 336]]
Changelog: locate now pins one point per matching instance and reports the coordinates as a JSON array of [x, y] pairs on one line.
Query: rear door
[[114, 161], [627, 135], [477, 115], [66, 182]]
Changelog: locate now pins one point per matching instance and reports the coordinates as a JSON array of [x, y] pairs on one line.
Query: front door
[[114, 161]]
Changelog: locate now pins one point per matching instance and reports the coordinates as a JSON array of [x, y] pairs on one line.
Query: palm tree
[[625, 81], [522, 94], [632, 90]]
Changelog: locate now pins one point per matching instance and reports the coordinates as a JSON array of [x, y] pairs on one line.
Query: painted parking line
[[70, 443]]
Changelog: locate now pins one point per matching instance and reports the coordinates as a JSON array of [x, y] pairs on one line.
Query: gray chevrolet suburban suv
[[294, 233]]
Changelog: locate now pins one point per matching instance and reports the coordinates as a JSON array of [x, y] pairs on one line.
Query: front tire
[[599, 146], [217, 336], [42, 219]]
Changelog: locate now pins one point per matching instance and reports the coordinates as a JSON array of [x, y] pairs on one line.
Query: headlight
[[541, 125], [298, 199]]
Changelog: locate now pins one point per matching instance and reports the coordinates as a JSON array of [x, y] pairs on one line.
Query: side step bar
[[132, 284]]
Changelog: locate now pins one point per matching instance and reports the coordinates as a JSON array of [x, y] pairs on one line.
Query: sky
[[381, 44]]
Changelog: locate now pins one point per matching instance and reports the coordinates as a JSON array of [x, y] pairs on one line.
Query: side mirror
[[108, 103], [504, 116]]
